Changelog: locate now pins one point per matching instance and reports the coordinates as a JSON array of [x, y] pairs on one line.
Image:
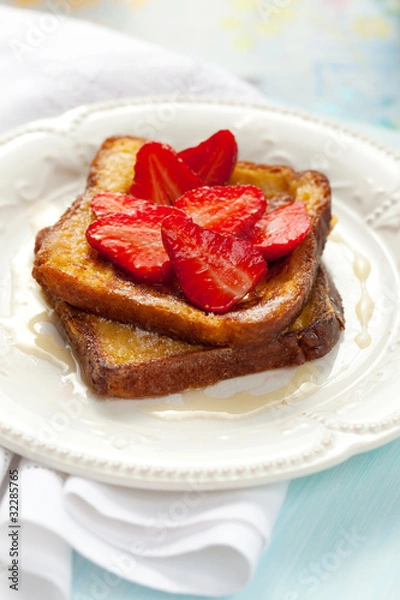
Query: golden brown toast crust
[[121, 360], [72, 271]]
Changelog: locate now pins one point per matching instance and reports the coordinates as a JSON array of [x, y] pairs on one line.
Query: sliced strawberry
[[160, 175], [281, 230], [109, 203], [227, 209], [133, 242], [215, 271], [214, 159]]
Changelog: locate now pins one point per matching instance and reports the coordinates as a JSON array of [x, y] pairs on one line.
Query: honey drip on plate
[[45, 345], [31, 325], [202, 404], [365, 306]]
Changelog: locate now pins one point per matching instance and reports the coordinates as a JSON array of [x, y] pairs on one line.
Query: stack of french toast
[[174, 270]]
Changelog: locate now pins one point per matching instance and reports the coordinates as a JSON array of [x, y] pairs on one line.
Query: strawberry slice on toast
[[281, 230], [230, 209], [215, 271], [214, 159], [161, 176], [109, 203], [133, 242]]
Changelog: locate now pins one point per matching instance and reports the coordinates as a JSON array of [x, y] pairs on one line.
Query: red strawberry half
[[214, 159], [227, 209], [281, 230], [109, 203], [160, 175], [215, 271], [133, 242]]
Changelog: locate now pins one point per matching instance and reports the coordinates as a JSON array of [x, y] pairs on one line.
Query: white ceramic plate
[[246, 431]]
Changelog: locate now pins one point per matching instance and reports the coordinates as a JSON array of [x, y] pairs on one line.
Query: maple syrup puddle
[[202, 404]]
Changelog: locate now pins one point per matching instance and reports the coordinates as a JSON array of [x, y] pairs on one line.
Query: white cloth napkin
[[44, 74], [190, 541], [182, 542]]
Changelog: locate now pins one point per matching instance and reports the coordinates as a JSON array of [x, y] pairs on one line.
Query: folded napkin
[[190, 541], [182, 542]]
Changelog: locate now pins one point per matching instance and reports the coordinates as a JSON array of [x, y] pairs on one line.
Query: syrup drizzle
[[365, 306], [46, 345], [32, 326], [200, 404]]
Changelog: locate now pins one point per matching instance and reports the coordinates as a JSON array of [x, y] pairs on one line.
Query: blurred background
[[340, 58]]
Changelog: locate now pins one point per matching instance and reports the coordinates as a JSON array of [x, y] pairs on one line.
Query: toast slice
[[122, 360], [73, 272]]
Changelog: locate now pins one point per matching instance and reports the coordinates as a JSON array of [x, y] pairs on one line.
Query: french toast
[[74, 273], [122, 360]]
